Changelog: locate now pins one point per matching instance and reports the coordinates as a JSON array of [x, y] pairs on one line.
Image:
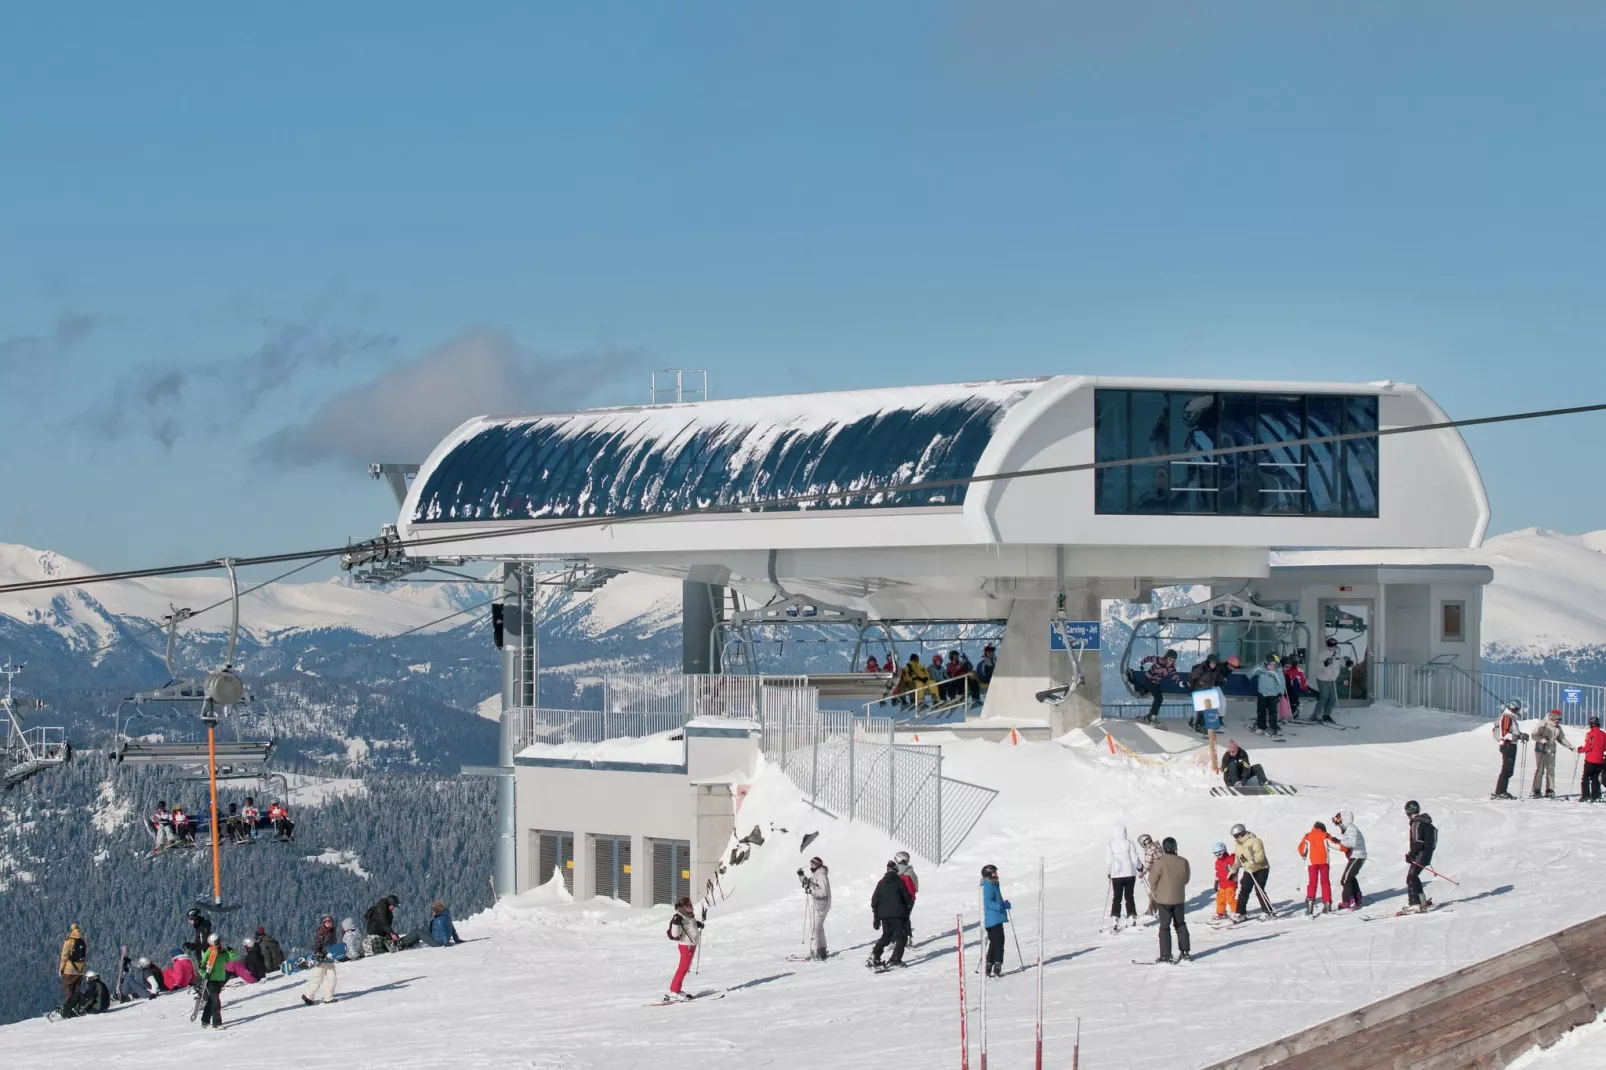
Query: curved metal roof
[[639, 461]]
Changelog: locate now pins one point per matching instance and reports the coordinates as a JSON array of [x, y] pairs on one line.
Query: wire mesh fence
[[1446, 686], [695, 696]]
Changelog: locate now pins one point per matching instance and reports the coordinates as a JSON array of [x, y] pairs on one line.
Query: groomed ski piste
[[548, 983]]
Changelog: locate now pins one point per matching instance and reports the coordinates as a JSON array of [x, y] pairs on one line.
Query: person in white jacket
[[817, 886], [1326, 670], [1123, 864], [1353, 844]]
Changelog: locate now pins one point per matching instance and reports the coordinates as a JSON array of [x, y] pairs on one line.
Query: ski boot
[[1327, 908], [1535, 795], [1550, 793], [1310, 908], [1167, 959], [1184, 957]]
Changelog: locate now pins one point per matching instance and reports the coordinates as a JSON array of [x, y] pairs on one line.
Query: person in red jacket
[[872, 665], [1594, 752], [1295, 677]]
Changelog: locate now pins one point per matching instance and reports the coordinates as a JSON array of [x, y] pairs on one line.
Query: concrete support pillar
[[700, 605], [1085, 704], [520, 670], [716, 820], [1026, 666]]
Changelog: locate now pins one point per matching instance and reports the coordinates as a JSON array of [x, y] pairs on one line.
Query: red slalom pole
[[964, 1010], [981, 951], [1040, 964]]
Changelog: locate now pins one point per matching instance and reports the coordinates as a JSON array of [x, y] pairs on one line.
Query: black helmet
[[1413, 807], [161, 804], [393, 901], [816, 862], [195, 914], [1331, 641], [1168, 845], [989, 871], [1594, 722]]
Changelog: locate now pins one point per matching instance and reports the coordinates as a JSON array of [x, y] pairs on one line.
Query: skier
[[183, 828], [1237, 769], [272, 953], [1157, 669], [686, 930], [913, 683], [1547, 738], [250, 815], [215, 974], [279, 814], [161, 823], [1294, 677], [1508, 733], [1594, 752], [1327, 673], [1226, 881], [987, 665], [200, 929], [873, 665], [74, 954], [442, 933], [1151, 854], [910, 881], [1254, 871], [1313, 849], [1123, 865], [322, 965], [994, 912], [1353, 844], [1205, 675], [1168, 883], [1269, 687], [890, 904], [1424, 838], [817, 887]]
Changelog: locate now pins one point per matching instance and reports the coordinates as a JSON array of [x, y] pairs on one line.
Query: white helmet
[[143, 962], [902, 858], [250, 942], [91, 973], [211, 938]]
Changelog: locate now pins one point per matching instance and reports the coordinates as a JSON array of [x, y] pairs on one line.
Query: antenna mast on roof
[[671, 386]]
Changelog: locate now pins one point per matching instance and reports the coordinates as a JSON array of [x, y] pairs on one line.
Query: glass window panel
[[1324, 415], [1360, 458], [1192, 419], [1110, 443], [1239, 474], [1281, 470]]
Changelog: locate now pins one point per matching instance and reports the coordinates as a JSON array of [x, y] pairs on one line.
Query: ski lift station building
[[911, 510]]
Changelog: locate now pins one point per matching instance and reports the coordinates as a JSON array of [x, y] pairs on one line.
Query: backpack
[[77, 953], [676, 922], [1427, 834]]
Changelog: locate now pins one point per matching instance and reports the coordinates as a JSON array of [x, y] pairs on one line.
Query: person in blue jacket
[[442, 933], [995, 911]]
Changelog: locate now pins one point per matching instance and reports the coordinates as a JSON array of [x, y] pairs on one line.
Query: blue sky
[[242, 250]]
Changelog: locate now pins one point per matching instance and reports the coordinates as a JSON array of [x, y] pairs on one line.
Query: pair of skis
[[688, 997]]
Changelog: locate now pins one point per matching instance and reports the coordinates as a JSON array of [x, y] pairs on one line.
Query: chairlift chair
[[29, 751], [1226, 624]]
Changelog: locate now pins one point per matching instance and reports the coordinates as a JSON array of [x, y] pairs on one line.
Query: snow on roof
[[659, 749], [652, 459]]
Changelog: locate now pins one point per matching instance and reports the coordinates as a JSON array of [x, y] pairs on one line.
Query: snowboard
[[689, 997], [1261, 789]]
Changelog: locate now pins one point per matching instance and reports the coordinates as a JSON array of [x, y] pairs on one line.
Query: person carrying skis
[[686, 930], [200, 929], [817, 887], [1157, 669], [1294, 678], [1204, 676], [1508, 733], [1151, 854], [890, 905], [911, 881], [1122, 864], [321, 986], [214, 974], [1237, 769], [994, 912], [272, 952], [1254, 871], [161, 823], [1226, 880], [1424, 838], [1594, 752], [1313, 849], [1353, 844], [1547, 738], [74, 954], [1269, 688], [1327, 671], [1168, 883]]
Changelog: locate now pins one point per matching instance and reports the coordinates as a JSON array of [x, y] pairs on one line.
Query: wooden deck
[[1483, 1016]]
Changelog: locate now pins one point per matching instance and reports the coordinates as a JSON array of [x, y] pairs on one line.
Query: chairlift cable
[[803, 499]]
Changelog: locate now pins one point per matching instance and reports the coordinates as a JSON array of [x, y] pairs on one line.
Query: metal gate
[[671, 870], [556, 851], [612, 867]]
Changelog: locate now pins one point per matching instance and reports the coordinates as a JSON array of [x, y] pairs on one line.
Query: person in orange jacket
[[1313, 849], [1226, 881]]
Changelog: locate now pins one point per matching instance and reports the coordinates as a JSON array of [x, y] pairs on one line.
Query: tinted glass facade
[[1328, 479]]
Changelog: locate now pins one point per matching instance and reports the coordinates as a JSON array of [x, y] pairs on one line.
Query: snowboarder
[[1327, 673], [1157, 669], [1294, 677], [890, 904], [214, 974], [1508, 733], [442, 933], [1424, 838], [1226, 881], [92, 998], [1123, 865], [1353, 844], [150, 977], [1270, 687], [200, 929], [321, 986], [994, 912], [1254, 871], [1594, 752], [1151, 854], [1168, 883], [911, 881], [1547, 738], [381, 922], [686, 930], [1313, 849], [817, 887], [272, 953], [1237, 769], [74, 954], [1205, 675], [161, 823], [251, 959]]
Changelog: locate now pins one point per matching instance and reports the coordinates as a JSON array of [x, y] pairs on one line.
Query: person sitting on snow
[[93, 997], [442, 933], [1236, 768]]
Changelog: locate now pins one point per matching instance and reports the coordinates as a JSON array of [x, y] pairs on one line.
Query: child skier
[[1424, 839], [686, 930], [1594, 752], [995, 911], [1226, 881], [1294, 676], [1313, 849], [1353, 844]]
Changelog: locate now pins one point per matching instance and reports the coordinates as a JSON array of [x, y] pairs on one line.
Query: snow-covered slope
[[1548, 594], [549, 984]]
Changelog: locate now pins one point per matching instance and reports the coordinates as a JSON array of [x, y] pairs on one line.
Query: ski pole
[[1016, 934], [1436, 873]]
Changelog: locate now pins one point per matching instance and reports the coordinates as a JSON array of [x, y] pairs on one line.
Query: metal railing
[[1443, 685], [588, 726], [930, 703], [711, 695]]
